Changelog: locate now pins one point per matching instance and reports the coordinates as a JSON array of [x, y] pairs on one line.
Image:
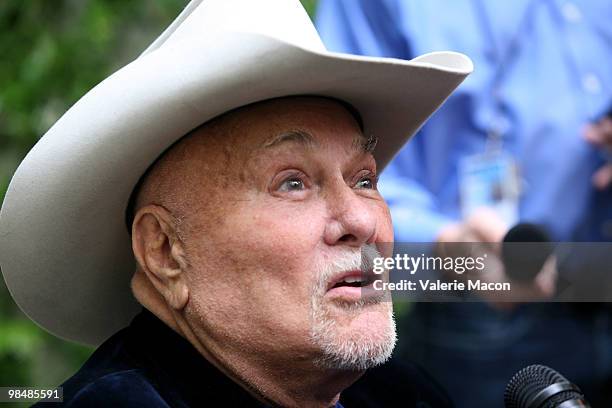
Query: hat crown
[[286, 20]]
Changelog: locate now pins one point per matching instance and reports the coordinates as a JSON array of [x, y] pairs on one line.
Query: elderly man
[[251, 233]]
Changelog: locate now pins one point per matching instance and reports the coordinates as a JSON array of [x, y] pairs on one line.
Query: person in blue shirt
[[538, 99]]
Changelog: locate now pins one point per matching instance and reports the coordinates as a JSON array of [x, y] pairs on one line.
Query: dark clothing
[[395, 385], [148, 364]]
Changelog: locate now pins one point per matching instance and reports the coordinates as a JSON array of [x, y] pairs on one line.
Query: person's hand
[[600, 135], [484, 225], [482, 234]]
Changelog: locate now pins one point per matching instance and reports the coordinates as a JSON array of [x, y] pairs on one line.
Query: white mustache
[[328, 269]]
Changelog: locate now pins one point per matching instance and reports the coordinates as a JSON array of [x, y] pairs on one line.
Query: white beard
[[349, 350]]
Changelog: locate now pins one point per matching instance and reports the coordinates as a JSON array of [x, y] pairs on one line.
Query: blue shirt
[[543, 69]]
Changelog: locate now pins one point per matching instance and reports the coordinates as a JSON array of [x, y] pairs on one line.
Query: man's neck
[[289, 383], [295, 382]]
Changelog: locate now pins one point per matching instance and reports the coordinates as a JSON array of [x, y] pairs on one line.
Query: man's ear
[[160, 254]]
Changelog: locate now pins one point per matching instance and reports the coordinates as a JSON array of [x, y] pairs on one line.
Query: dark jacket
[[148, 364]]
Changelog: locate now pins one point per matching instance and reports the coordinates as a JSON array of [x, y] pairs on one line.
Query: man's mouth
[[348, 285]]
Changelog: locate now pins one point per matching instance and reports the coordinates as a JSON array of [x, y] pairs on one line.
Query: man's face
[[279, 200]]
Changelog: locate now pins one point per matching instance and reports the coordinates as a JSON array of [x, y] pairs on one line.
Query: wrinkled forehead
[[266, 122], [299, 122]]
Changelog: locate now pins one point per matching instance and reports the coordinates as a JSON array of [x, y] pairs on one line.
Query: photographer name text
[[441, 286]]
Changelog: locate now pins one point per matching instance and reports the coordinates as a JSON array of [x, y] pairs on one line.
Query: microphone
[[538, 386], [522, 262]]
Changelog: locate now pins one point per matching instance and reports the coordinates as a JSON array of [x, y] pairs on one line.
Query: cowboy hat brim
[[65, 252]]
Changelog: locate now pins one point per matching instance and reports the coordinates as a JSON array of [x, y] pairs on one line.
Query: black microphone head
[[527, 232], [525, 249], [538, 386]]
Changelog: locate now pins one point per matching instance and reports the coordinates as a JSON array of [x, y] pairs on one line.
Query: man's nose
[[352, 218]]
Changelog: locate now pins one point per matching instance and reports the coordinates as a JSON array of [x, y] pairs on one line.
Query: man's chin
[[370, 320], [355, 338]]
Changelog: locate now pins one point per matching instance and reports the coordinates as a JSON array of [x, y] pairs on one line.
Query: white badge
[[490, 180]]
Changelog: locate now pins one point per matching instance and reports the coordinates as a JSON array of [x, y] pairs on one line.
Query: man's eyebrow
[[298, 136], [365, 143]]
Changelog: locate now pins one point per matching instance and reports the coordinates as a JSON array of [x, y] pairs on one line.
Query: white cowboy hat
[[65, 251]]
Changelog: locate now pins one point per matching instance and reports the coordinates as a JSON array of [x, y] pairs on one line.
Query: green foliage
[[310, 6], [51, 53]]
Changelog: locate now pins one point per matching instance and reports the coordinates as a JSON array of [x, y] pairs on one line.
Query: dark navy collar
[[183, 370]]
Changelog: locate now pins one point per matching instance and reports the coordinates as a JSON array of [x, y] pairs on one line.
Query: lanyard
[[502, 57]]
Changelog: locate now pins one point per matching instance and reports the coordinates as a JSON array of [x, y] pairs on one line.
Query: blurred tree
[[51, 53]]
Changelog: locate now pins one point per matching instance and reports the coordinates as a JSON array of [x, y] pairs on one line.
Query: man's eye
[[368, 182], [292, 184]]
